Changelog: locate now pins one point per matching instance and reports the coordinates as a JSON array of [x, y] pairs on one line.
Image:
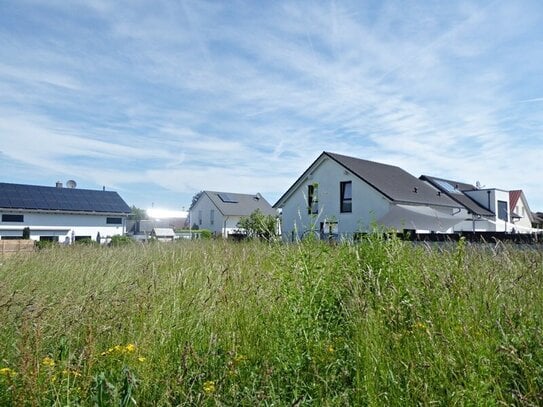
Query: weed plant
[[380, 322]]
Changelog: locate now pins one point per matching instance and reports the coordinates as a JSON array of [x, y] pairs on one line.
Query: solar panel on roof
[[227, 198], [50, 198], [447, 187]]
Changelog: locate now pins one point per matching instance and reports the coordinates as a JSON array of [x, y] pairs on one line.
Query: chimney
[[58, 184], [104, 188]]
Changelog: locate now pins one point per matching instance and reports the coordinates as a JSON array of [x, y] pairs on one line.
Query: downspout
[[224, 227]]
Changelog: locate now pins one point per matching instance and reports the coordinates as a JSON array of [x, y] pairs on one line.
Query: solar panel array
[[18, 196], [226, 198]]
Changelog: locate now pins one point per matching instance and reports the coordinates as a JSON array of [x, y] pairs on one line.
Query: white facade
[[63, 227], [523, 210], [206, 215], [368, 206], [494, 200]]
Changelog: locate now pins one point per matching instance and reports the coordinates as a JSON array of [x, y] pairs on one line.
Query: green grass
[[382, 322]]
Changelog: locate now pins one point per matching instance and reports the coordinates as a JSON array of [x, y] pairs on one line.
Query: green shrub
[[120, 241], [44, 244], [205, 234], [86, 241]]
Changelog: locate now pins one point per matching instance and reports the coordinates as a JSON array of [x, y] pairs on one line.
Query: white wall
[[367, 204], [65, 226], [205, 205], [522, 209]]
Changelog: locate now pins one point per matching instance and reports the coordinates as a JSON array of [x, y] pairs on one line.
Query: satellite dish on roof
[[71, 184]]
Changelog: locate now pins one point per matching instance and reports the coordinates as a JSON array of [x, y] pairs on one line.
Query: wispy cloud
[[182, 96]]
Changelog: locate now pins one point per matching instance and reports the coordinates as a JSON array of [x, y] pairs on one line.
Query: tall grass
[[381, 322]]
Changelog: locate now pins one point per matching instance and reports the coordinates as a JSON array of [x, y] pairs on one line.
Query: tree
[[137, 213], [195, 199], [259, 225]]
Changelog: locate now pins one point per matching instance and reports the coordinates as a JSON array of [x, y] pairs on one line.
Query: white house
[[220, 212], [521, 215], [489, 209], [343, 195], [60, 214]]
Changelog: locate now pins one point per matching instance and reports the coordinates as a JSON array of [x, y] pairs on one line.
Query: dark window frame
[[114, 221], [6, 217], [502, 211], [345, 202], [312, 199]]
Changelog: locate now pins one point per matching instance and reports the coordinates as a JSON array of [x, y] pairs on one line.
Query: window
[[312, 199], [502, 211], [48, 238], [114, 221], [346, 196], [212, 216], [199, 217], [12, 218]]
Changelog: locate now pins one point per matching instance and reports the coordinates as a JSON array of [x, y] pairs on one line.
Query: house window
[[346, 196], [114, 221], [199, 217], [502, 211], [48, 238], [312, 199], [12, 218], [212, 216]]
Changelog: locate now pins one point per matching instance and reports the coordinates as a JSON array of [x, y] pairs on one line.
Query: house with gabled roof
[[220, 212], [521, 215], [489, 209], [340, 195], [60, 214]]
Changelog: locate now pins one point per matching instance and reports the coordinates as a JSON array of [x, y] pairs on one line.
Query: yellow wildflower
[[47, 361], [209, 387], [67, 372], [420, 325], [117, 348], [6, 371], [330, 349], [141, 359], [130, 348], [240, 358]]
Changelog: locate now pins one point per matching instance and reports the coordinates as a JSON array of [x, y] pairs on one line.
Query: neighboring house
[[489, 209], [537, 220], [220, 212], [521, 215], [341, 195], [163, 234], [60, 214]]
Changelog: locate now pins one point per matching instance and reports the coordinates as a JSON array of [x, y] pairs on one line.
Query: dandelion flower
[[209, 387], [47, 361]]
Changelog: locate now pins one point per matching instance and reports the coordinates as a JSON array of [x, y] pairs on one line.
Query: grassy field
[[382, 322]]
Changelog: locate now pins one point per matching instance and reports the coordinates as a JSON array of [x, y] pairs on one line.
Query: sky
[[159, 100]]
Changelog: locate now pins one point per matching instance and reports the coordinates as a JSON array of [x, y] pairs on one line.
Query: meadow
[[380, 322]]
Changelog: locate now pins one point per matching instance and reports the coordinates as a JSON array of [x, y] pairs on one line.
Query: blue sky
[[158, 100]]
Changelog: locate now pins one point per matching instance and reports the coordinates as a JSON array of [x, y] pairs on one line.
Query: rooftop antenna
[[71, 184]]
